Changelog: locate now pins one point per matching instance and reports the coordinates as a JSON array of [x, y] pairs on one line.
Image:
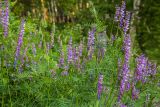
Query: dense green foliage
[[148, 28]]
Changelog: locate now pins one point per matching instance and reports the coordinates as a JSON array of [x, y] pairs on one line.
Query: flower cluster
[[124, 84], [100, 86], [5, 18], [144, 68], [90, 46], [23, 59], [141, 67], [117, 14], [127, 22], [122, 13], [123, 17], [135, 92], [80, 48], [61, 60], [20, 41], [75, 55], [70, 51]]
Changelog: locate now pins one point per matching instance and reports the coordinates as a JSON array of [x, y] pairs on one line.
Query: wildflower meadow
[[71, 67]]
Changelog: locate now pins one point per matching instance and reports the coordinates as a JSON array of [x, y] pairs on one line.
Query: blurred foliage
[[148, 28]]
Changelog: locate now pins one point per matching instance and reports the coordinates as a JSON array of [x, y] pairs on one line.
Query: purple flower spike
[[5, 18], [70, 53], [149, 67], [75, 55], [91, 39], [154, 69], [117, 14], [65, 72], [20, 41], [100, 86], [141, 69], [135, 92], [127, 22], [122, 13], [127, 47], [127, 86], [23, 59], [125, 70], [61, 60], [80, 49]]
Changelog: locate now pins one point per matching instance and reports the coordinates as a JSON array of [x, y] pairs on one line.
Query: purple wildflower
[[125, 69], [128, 86], [70, 53], [90, 53], [64, 73], [126, 22], [149, 67], [154, 69], [20, 41], [5, 18], [135, 92], [100, 86], [2, 16], [122, 13], [61, 60], [122, 105], [23, 60], [117, 14], [91, 39], [124, 81], [127, 47], [141, 69], [75, 55], [80, 48]]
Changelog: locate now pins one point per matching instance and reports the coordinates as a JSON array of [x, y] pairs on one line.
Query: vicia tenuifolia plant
[[5, 16], [100, 86], [70, 51], [19, 43], [91, 43]]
